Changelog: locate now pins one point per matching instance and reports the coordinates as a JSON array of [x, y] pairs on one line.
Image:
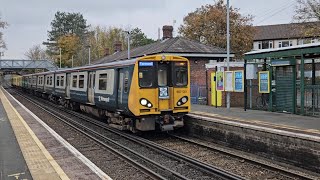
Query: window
[[181, 74], [58, 81], [146, 74], [48, 80], [259, 45], [51, 80], [62, 81], [285, 44], [126, 82], [74, 81], [81, 81], [103, 78], [162, 75]]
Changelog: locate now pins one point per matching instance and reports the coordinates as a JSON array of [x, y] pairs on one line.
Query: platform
[[32, 150], [283, 121]]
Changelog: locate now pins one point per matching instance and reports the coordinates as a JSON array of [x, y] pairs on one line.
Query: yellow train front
[[160, 92]]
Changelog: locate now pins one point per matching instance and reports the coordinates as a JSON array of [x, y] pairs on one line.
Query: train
[[148, 93]]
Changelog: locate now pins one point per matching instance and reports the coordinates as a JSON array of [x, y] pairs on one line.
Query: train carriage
[[139, 94]]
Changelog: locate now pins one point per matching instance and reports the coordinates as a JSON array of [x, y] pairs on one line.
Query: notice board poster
[[228, 77], [219, 81], [238, 81], [264, 82]]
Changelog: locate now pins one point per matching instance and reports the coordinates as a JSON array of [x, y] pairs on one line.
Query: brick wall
[[198, 71]]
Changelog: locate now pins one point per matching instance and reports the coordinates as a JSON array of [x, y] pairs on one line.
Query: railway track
[[291, 173], [154, 160]]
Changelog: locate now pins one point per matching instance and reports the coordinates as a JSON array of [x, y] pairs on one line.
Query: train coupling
[[169, 122]]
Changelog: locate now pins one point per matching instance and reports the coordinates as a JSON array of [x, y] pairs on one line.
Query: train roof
[[96, 66]]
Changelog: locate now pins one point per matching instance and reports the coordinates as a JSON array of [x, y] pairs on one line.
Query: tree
[[68, 31], [67, 23], [36, 53], [208, 25], [308, 11], [3, 25], [138, 38], [69, 45]]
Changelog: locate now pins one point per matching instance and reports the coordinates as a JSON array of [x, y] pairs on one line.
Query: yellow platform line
[[40, 162], [255, 121]]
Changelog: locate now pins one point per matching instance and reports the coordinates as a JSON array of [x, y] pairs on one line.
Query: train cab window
[[103, 81], [81, 81], [74, 81], [180, 74], [163, 75], [146, 74]]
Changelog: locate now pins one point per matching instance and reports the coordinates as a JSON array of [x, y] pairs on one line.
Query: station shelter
[[284, 80]]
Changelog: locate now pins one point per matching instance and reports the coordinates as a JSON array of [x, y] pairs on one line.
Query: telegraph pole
[[228, 49], [128, 32]]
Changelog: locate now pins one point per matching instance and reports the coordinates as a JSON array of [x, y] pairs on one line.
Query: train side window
[[103, 78], [126, 82], [74, 81], [81, 81]]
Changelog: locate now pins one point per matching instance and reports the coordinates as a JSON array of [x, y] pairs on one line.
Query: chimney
[[167, 32], [106, 51], [117, 46]]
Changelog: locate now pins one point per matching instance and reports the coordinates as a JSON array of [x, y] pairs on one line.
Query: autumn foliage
[[208, 25]]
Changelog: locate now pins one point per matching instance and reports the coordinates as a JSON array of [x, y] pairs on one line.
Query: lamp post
[[228, 49], [128, 37], [60, 56]]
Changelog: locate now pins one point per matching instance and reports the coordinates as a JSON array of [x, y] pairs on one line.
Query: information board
[[219, 81], [228, 77], [264, 82], [238, 81]]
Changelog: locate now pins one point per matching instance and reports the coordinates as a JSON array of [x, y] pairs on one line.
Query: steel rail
[[146, 170]]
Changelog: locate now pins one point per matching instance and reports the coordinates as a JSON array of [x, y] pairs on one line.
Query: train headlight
[[143, 102], [182, 101], [146, 103]]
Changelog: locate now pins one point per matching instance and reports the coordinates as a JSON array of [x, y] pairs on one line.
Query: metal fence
[[198, 94]]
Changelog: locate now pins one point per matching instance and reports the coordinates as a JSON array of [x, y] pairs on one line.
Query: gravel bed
[[111, 164], [233, 164], [168, 161]]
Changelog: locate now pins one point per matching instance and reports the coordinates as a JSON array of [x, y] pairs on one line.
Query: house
[[197, 53], [283, 35]]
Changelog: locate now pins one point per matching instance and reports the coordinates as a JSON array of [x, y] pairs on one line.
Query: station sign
[[228, 77], [238, 81], [264, 82]]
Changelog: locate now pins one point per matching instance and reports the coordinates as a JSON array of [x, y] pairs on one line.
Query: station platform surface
[[283, 121], [29, 149]]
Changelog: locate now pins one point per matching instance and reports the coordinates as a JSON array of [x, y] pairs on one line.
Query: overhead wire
[[276, 12]]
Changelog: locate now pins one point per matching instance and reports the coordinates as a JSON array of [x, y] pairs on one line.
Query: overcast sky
[[30, 20]]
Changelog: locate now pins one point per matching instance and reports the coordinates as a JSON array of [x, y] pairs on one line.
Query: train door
[[68, 85], [91, 82], [120, 88]]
